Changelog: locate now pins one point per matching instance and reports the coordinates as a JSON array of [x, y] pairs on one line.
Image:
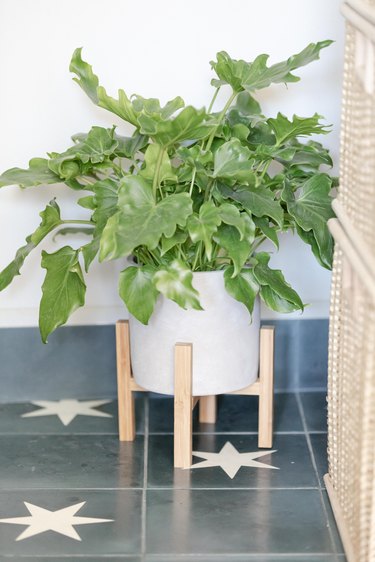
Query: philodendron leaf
[[38, 173], [141, 220], [231, 161], [275, 291], [87, 231], [311, 208], [178, 238], [237, 248], [309, 238], [243, 287], [190, 124], [175, 282], [298, 127], [50, 220], [203, 225], [105, 199], [63, 289], [138, 291], [156, 158], [270, 232], [250, 76], [229, 214], [259, 201]]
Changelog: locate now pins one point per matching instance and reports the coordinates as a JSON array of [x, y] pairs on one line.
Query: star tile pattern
[[230, 460], [73, 491], [61, 521], [67, 410]]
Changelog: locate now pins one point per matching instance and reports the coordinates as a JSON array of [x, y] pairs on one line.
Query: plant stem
[[213, 99], [155, 182], [221, 117], [192, 182]]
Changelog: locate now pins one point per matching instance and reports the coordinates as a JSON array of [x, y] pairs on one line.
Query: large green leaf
[[237, 248], [95, 148], [250, 76], [243, 287], [38, 173], [311, 208], [231, 215], [152, 107], [50, 220], [178, 238], [275, 291], [203, 225], [157, 161], [175, 283], [190, 124], [270, 232], [259, 201], [63, 289], [231, 161], [299, 126], [105, 199], [138, 291], [141, 220]]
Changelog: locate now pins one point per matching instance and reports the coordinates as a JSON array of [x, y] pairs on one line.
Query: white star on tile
[[230, 460], [61, 521], [67, 410]]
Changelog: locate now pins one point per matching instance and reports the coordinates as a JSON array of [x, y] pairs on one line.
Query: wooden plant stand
[[184, 401]]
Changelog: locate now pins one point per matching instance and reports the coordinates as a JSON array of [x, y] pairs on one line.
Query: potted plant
[[190, 197]]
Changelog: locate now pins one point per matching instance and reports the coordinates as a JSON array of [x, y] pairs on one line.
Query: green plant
[[190, 190]]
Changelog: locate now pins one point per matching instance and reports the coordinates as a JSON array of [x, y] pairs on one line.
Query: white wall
[[158, 48]]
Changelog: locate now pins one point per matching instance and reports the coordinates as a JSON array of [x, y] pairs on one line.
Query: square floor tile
[[247, 558], [11, 420], [236, 521], [291, 456], [315, 409], [72, 559], [319, 445], [120, 536], [235, 414], [70, 461]]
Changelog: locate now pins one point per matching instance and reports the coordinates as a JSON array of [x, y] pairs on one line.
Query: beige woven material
[[351, 380], [351, 404], [357, 166]]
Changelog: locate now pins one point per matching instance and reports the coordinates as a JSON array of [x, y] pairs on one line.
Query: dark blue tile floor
[[70, 491]]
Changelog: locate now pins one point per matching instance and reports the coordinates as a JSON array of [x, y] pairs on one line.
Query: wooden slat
[[207, 409], [135, 387], [251, 390], [126, 415], [183, 414], [266, 361]]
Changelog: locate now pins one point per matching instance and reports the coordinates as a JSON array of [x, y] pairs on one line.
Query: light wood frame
[[184, 401]]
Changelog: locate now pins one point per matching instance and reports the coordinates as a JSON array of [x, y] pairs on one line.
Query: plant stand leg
[[266, 368], [126, 415], [207, 409], [183, 405]]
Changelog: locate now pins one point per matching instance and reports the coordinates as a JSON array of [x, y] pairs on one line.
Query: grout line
[[157, 488], [302, 414], [145, 470], [233, 432]]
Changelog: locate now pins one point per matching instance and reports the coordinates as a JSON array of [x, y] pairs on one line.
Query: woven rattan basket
[[351, 382]]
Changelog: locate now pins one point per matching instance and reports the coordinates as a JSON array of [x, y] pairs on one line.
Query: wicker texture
[[357, 165], [351, 404], [351, 380]]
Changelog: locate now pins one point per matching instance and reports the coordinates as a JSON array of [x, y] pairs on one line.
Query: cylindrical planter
[[225, 341]]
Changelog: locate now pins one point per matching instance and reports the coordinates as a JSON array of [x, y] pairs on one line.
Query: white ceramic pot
[[225, 341]]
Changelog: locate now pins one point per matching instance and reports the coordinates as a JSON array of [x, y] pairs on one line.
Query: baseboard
[[80, 361]]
